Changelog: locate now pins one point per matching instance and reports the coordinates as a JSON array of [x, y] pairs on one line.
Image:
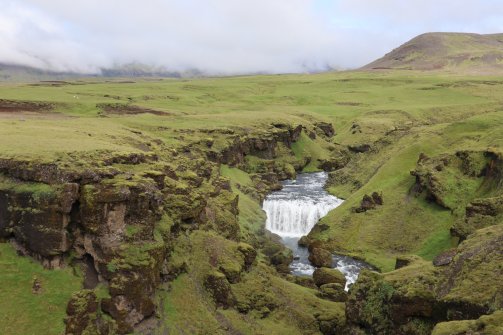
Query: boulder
[[370, 202], [303, 242], [326, 128], [83, 316], [334, 292], [361, 148], [320, 257], [324, 276], [445, 258]]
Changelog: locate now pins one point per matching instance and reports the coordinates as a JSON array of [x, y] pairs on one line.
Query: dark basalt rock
[[38, 221], [264, 146], [326, 128], [361, 148], [84, 317], [370, 202], [444, 258]]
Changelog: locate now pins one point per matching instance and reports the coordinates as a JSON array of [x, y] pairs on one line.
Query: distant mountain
[[446, 51], [21, 73]]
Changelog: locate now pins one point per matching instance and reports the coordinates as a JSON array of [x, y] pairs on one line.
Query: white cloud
[[225, 36]]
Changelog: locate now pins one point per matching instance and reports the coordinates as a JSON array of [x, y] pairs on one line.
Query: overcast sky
[[226, 36]]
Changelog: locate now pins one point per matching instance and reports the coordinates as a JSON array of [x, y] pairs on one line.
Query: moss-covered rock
[[324, 276], [37, 216], [84, 316], [485, 325], [415, 297], [471, 284], [320, 257], [219, 288], [333, 292]]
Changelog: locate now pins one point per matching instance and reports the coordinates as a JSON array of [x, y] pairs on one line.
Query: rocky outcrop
[[260, 145], [84, 317], [485, 325], [279, 256], [360, 148], [369, 202], [333, 292], [119, 214], [326, 128], [479, 213], [414, 298], [467, 183], [450, 180], [37, 218]]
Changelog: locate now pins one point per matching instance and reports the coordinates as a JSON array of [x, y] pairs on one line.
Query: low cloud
[[225, 36]]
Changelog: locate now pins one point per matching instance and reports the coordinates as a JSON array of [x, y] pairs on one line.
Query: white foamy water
[[293, 211]]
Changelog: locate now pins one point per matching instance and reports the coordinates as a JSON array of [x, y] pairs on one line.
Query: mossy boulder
[[80, 307], [479, 213], [324, 276], [485, 325], [320, 257], [331, 323], [279, 256], [219, 288], [465, 284], [84, 316], [471, 285], [303, 241], [249, 253], [334, 292], [37, 216]]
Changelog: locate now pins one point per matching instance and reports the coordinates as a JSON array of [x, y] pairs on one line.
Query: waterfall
[[293, 211]]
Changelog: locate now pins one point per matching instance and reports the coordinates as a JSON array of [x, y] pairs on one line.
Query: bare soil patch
[[122, 109], [15, 106]]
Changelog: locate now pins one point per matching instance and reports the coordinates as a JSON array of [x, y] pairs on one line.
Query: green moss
[[487, 324], [37, 191]]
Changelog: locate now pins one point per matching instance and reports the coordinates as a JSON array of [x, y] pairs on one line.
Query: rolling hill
[[468, 53]]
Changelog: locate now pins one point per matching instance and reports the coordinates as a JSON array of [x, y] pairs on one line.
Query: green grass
[[24, 312], [428, 112], [400, 114]]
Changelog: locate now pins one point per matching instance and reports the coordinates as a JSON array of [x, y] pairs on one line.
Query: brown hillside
[[446, 51]]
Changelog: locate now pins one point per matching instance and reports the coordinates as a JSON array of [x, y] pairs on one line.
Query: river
[[294, 210]]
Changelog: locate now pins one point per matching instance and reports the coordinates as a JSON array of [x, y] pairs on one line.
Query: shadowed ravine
[[294, 210]]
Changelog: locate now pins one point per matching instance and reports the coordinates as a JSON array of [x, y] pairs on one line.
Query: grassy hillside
[[459, 52], [383, 121]]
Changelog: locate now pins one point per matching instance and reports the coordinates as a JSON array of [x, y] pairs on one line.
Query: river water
[[294, 210]]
